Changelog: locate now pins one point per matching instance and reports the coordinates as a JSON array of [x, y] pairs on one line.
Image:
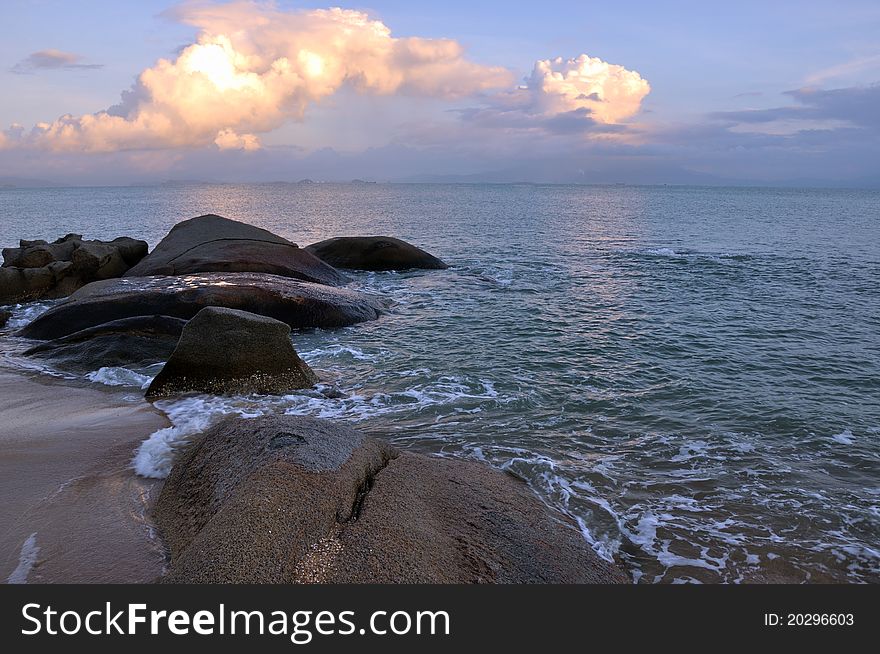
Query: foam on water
[[27, 558], [844, 438], [116, 376], [25, 313], [188, 416]]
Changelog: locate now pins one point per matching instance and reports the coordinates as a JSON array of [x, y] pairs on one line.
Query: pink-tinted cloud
[[255, 66]]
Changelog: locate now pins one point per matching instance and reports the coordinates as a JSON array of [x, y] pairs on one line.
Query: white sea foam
[[188, 416], [341, 351], [660, 252], [116, 376], [844, 438], [26, 560], [23, 314]]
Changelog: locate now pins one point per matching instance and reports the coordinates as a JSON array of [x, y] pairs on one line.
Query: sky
[[768, 93]]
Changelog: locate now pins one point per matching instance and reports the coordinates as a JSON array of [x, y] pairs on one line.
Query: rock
[[41, 270], [139, 342], [373, 253], [17, 284], [130, 249], [95, 261], [287, 499], [228, 352], [4, 318], [302, 305], [215, 244]]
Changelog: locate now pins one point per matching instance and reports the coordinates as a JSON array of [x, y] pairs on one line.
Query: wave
[[26, 560], [188, 416], [25, 313], [685, 255], [116, 376]]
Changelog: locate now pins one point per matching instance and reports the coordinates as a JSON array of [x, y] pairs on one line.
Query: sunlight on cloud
[[610, 93], [254, 67]]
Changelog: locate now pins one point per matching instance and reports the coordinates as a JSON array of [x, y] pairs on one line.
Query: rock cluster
[[42, 270], [282, 499]]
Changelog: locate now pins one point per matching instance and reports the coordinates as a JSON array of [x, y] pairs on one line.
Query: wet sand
[[67, 487]]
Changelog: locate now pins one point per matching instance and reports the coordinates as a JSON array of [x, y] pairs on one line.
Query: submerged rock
[[226, 351], [138, 341], [287, 499], [302, 305], [42, 270], [212, 243], [373, 253]]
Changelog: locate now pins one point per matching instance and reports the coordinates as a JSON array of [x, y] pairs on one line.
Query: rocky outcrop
[[138, 342], [374, 253], [4, 318], [286, 499], [212, 243], [227, 352], [42, 270], [302, 305]]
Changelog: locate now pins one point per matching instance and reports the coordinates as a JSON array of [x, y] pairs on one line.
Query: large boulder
[[373, 253], [287, 499], [302, 305], [138, 341], [228, 352], [215, 244], [42, 270]]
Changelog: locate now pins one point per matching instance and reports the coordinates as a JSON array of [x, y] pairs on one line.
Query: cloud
[[253, 67], [846, 69], [567, 96], [610, 93], [51, 60], [855, 106]]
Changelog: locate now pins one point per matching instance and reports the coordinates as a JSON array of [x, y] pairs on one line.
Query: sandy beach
[[73, 509]]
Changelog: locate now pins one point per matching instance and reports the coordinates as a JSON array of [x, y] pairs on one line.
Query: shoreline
[[74, 508]]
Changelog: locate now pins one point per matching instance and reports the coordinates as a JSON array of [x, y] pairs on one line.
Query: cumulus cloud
[[51, 60], [608, 92], [584, 94], [255, 66]]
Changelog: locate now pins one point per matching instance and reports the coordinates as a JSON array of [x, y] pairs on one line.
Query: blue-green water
[[691, 373]]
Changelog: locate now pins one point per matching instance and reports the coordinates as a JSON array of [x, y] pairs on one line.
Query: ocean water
[[692, 374]]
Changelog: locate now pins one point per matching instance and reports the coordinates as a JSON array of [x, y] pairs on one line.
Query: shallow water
[[692, 373]]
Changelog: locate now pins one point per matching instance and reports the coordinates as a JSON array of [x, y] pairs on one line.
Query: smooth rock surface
[[212, 243], [374, 253], [288, 499], [302, 305], [226, 352], [137, 342]]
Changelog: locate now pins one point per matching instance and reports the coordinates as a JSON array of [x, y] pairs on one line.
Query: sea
[[691, 374]]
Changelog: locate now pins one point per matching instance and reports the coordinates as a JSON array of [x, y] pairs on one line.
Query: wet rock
[[212, 243], [287, 499], [373, 253], [228, 352], [302, 305], [132, 342], [4, 318]]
